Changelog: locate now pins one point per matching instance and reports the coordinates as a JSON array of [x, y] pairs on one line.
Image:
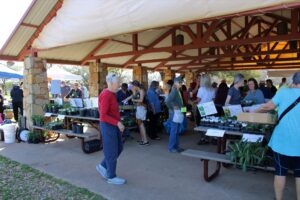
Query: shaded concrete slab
[[151, 172]]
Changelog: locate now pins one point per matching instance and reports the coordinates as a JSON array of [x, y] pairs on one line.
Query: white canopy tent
[[77, 21], [57, 73]]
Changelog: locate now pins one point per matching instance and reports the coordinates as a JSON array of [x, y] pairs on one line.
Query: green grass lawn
[[18, 181]]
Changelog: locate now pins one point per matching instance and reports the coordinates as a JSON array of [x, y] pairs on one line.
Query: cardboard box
[[262, 118]]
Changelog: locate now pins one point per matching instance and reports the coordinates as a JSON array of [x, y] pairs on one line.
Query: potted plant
[[34, 137], [247, 154], [38, 120]]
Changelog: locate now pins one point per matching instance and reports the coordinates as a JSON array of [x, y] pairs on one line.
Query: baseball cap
[[178, 79]]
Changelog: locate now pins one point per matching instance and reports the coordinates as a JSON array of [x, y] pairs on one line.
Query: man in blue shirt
[[154, 110], [123, 93]]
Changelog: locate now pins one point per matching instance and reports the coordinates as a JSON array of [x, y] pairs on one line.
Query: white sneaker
[[102, 171], [116, 181]]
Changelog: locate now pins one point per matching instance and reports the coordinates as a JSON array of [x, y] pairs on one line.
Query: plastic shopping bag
[[178, 116]]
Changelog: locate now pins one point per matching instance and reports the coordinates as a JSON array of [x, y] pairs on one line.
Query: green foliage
[[35, 137], [229, 75], [247, 154], [38, 120], [124, 74]]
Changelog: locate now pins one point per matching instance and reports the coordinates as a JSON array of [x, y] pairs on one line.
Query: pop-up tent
[[57, 73], [6, 73]]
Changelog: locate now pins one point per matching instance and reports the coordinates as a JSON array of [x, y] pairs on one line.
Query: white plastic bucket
[[9, 133]]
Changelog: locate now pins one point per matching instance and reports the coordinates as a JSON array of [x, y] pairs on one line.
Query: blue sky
[[11, 12]]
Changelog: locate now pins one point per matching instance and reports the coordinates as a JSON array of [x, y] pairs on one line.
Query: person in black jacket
[[17, 101], [1, 105]]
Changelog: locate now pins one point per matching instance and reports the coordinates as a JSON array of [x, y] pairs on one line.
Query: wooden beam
[[95, 50], [155, 42], [234, 62], [245, 66], [37, 32], [295, 21], [29, 25], [204, 45], [135, 42]]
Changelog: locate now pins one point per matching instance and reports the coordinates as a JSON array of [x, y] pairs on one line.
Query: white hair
[[238, 78], [111, 78], [205, 81]]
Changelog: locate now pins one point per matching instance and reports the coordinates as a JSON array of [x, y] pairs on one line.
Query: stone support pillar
[[35, 88], [97, 81], [140, 74], [189, 78]]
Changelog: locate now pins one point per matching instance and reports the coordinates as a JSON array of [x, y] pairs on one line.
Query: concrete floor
[[151, 172]]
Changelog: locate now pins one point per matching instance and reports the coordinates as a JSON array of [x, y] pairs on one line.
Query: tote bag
[[178, 116]]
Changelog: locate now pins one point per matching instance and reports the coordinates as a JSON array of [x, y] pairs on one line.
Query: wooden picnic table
[[218, 156]]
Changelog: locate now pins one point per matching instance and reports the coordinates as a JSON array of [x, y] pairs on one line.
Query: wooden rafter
[[37, 32]]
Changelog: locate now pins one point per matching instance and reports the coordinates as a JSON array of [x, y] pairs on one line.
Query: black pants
[[16, 107], [153, 125]]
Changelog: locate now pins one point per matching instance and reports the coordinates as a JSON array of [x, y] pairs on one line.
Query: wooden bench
[[206, 157], [82, 136], [219, 158]]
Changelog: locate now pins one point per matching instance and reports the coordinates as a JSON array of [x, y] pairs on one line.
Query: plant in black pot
[[79, 128], [82, 112], [38, 120], [35, 137], [74, 128], [62, 111]]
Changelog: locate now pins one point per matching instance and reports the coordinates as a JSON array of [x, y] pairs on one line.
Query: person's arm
[[141, 99], [266, 107], [104, 107], [151, 101], [69, 94], [227, 100], [199, 95], [128, 98], [169, 100]]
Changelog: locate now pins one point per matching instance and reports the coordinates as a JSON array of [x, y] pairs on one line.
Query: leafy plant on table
[[247, 154]]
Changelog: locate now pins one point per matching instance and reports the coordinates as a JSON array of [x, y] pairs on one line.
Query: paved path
[[151, 171]]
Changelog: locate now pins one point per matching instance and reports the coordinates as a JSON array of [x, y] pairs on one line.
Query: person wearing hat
[[138, 97], [174, 102]]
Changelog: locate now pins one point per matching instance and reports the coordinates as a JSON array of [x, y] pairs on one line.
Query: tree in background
[[228, 75], [124, 74]]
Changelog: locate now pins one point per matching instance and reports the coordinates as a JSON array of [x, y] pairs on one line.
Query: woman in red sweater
[[111, 130]]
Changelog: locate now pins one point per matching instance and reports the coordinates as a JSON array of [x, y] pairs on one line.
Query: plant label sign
[[215, 133], [208, 108], [232, 110], [48, 114], [61, 117], [252, 138]]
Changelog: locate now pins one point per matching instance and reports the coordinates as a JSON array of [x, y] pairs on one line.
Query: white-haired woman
[[285, 139], [111, 129], [234, 94], [206, 93]]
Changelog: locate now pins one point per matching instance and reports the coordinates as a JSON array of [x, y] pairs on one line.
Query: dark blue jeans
[[112, 147], [174, 133]]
